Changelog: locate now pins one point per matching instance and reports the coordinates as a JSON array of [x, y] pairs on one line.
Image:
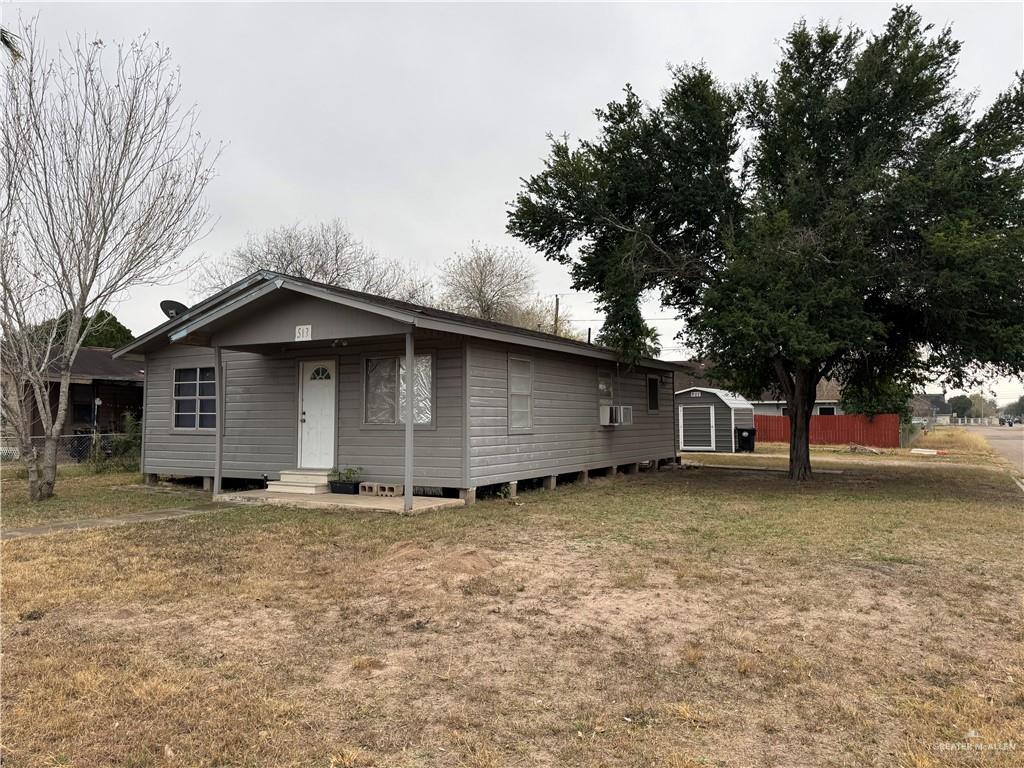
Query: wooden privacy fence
[[881, 431]]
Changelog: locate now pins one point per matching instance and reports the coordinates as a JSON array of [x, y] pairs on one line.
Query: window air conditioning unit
[[616, 415]]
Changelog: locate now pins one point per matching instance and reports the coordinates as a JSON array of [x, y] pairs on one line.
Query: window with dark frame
[[653, 393], [384, 390], [826, 410], [195, 398]]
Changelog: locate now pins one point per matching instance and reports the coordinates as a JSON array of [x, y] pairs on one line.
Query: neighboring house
[[103, 389], [277, 373], [690, 373], [826, 401], [931, 406], [693, 373]]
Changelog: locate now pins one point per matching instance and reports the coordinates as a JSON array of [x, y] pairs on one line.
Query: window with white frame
[[605, 388], [520, 394], [384, 390], [195, 398]]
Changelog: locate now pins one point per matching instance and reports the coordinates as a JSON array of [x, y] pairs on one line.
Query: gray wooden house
[[282, 378]]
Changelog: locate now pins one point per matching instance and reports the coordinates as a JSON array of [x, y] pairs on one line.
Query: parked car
[[1002, 422]]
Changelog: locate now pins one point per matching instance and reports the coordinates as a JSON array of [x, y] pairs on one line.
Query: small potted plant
[[345, 481]]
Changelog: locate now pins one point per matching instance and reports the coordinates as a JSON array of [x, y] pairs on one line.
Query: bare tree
[[104, 172], [498, 283], [325, 252], [486, 282], [538, 314]]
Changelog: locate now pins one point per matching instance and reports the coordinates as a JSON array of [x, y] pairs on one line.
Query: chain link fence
[[91, 446]]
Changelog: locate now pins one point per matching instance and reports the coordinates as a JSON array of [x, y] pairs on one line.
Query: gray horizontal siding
[[775, 409], [744, 417], [167, 451], [261, 419], [260, 425], [566, 434], [272, 319]]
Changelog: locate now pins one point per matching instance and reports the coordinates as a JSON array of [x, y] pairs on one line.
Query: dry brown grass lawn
[[81, 494], [961, 446], [956, 439], [688, 618]]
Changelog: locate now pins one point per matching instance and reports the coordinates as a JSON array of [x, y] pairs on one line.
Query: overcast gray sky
[[414, 123]]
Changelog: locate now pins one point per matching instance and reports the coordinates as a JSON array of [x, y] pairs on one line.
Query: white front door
[[316, 414]]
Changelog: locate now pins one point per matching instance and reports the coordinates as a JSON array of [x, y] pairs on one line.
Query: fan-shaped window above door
[[320, 374]]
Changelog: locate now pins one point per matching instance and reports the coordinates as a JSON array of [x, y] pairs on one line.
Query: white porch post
[[410, 392], [218, 383]]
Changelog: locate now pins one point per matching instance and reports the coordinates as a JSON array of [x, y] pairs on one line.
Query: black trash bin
[[745, 439]]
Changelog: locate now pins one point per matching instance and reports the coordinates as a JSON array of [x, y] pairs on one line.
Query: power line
[[601, 319]]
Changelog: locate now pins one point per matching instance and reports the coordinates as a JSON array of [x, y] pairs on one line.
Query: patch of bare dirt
[[469, 562], [241, 631], [543, 629]]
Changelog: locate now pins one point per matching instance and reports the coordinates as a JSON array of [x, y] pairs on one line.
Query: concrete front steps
[[304, 481]]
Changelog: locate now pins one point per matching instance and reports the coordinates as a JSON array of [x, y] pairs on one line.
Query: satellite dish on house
[[172, 308]]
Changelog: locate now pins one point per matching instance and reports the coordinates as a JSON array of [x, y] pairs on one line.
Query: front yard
[[82, 494], [683, 618]]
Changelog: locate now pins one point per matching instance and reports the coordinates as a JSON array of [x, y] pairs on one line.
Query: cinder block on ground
[[384, 489], [369, 489]]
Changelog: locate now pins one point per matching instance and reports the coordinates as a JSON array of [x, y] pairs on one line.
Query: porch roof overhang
[[219, 311]]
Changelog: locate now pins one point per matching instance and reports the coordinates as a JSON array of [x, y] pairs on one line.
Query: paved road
[[1007, 441]]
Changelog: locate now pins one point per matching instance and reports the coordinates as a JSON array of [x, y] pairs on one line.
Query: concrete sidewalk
[[339, 501], [63, 526]]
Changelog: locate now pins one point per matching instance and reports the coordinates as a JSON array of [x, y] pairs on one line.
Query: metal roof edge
[[207, 303], [422, 317]]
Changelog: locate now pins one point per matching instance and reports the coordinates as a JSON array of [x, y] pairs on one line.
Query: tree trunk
[[46, 479], [799, 441], [48, 469], [31, 462], [800, 406]]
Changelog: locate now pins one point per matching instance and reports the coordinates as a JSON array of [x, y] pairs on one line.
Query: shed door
[[316, 414], [697, 427]]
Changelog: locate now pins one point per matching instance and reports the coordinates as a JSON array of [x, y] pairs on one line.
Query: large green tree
[[1015, 409], [848, 217], [105, 330], [961, 405]]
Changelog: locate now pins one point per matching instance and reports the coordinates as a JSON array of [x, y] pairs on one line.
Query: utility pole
[[556, 314]]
